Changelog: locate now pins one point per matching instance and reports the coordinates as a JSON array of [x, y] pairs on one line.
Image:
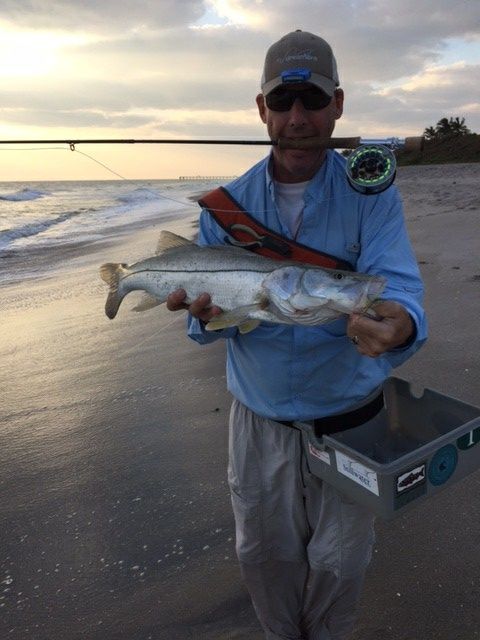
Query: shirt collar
[[317, 178]]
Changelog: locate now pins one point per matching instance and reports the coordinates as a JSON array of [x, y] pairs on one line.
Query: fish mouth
[[375, 288], [371, 294], [354, 300]]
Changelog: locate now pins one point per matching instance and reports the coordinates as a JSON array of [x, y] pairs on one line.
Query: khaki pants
[[303, 547]]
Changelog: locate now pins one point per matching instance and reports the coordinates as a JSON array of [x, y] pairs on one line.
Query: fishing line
[[98, 162], [156, 194], [186, 203], [347, 194], [115, 173], [35, 149], [135, 346]]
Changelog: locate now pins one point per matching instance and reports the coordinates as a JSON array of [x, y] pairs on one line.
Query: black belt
[[342, 421]]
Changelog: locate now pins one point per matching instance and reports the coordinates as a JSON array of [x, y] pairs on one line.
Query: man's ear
[[260, 99], [338, 97]]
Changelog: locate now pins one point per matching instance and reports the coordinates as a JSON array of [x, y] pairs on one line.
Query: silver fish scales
[[249, 288]]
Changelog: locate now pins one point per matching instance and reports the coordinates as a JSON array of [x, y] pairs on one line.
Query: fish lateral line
[[133, 273]]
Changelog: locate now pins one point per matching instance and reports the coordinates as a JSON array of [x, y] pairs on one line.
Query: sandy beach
[[115, 514]]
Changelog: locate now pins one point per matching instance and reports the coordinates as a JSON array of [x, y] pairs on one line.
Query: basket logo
[[469, 440], [442, 465], [357, 472], [411, 478]]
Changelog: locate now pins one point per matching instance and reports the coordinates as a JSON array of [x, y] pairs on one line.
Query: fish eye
[[338, 276]]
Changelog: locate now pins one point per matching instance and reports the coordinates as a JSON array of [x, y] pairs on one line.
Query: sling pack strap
[[250, 234]]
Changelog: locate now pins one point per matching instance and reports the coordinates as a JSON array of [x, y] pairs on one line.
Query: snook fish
[[248, 287]]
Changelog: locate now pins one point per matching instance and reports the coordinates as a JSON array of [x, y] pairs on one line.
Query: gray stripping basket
[[413, 448]]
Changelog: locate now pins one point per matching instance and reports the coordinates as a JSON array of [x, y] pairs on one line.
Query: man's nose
[[297, 114]]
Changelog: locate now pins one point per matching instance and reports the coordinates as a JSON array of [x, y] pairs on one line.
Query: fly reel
[[371, 168]]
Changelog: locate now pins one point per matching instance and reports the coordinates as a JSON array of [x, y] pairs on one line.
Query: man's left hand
[[393, 328]]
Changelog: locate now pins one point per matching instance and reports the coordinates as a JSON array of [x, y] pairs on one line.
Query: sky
[[191, 69]]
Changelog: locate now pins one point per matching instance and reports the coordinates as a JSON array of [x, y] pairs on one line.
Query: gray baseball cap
[[300, 57]]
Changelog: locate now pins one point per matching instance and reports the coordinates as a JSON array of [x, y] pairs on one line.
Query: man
[[303, 547]]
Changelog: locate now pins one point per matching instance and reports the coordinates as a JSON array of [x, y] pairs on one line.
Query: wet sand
[[115, 514], [424, 578]]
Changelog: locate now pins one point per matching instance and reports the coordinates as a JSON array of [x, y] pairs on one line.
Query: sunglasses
[[282, 99]]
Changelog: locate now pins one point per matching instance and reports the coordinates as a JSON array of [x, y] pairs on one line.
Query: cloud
[[153, 122], [233, 12], [375, 40], [406, 108], [104, 16], [123, 65], [78, 118], [215, 94]]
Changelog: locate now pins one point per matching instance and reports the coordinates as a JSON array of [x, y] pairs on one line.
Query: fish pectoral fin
[[147, 302], [239, 317], [248, 326], [169, 240]]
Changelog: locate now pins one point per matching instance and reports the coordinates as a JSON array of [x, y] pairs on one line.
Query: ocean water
[[38, 216]]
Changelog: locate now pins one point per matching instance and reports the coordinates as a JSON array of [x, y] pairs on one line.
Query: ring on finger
[[354, 339]]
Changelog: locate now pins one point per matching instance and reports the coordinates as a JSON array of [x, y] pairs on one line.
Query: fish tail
[[111, 273]]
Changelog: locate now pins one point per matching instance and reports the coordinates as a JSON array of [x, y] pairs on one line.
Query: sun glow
[[236, 13], [32, 54]]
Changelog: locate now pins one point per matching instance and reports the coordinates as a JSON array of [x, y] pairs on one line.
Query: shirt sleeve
[[210, 233], [386, 250]]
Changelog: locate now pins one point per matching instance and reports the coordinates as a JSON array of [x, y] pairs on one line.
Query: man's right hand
[[199, 308]]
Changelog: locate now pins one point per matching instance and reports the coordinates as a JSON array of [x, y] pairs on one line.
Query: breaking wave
[[23, 195], [139, 195], [33, 228]]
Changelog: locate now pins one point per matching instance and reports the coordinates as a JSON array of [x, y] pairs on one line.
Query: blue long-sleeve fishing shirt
[[293, 372]]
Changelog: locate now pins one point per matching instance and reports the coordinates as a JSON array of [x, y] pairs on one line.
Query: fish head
[[281, 285], [313, 295], [342, 291]]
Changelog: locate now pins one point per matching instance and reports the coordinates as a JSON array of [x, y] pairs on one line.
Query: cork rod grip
[[318, 143], [414, 143]]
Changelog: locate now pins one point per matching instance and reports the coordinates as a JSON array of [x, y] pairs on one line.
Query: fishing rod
[[284, 143], [371, 166]]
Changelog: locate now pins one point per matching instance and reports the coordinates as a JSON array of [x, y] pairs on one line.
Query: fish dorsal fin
[[169, 240]]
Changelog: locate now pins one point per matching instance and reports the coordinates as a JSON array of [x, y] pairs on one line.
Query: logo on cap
[[297, 54]]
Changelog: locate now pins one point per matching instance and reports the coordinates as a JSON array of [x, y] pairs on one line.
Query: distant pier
[[223, 178]]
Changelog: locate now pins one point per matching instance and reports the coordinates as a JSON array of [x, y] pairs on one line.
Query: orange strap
[[251, 234]]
